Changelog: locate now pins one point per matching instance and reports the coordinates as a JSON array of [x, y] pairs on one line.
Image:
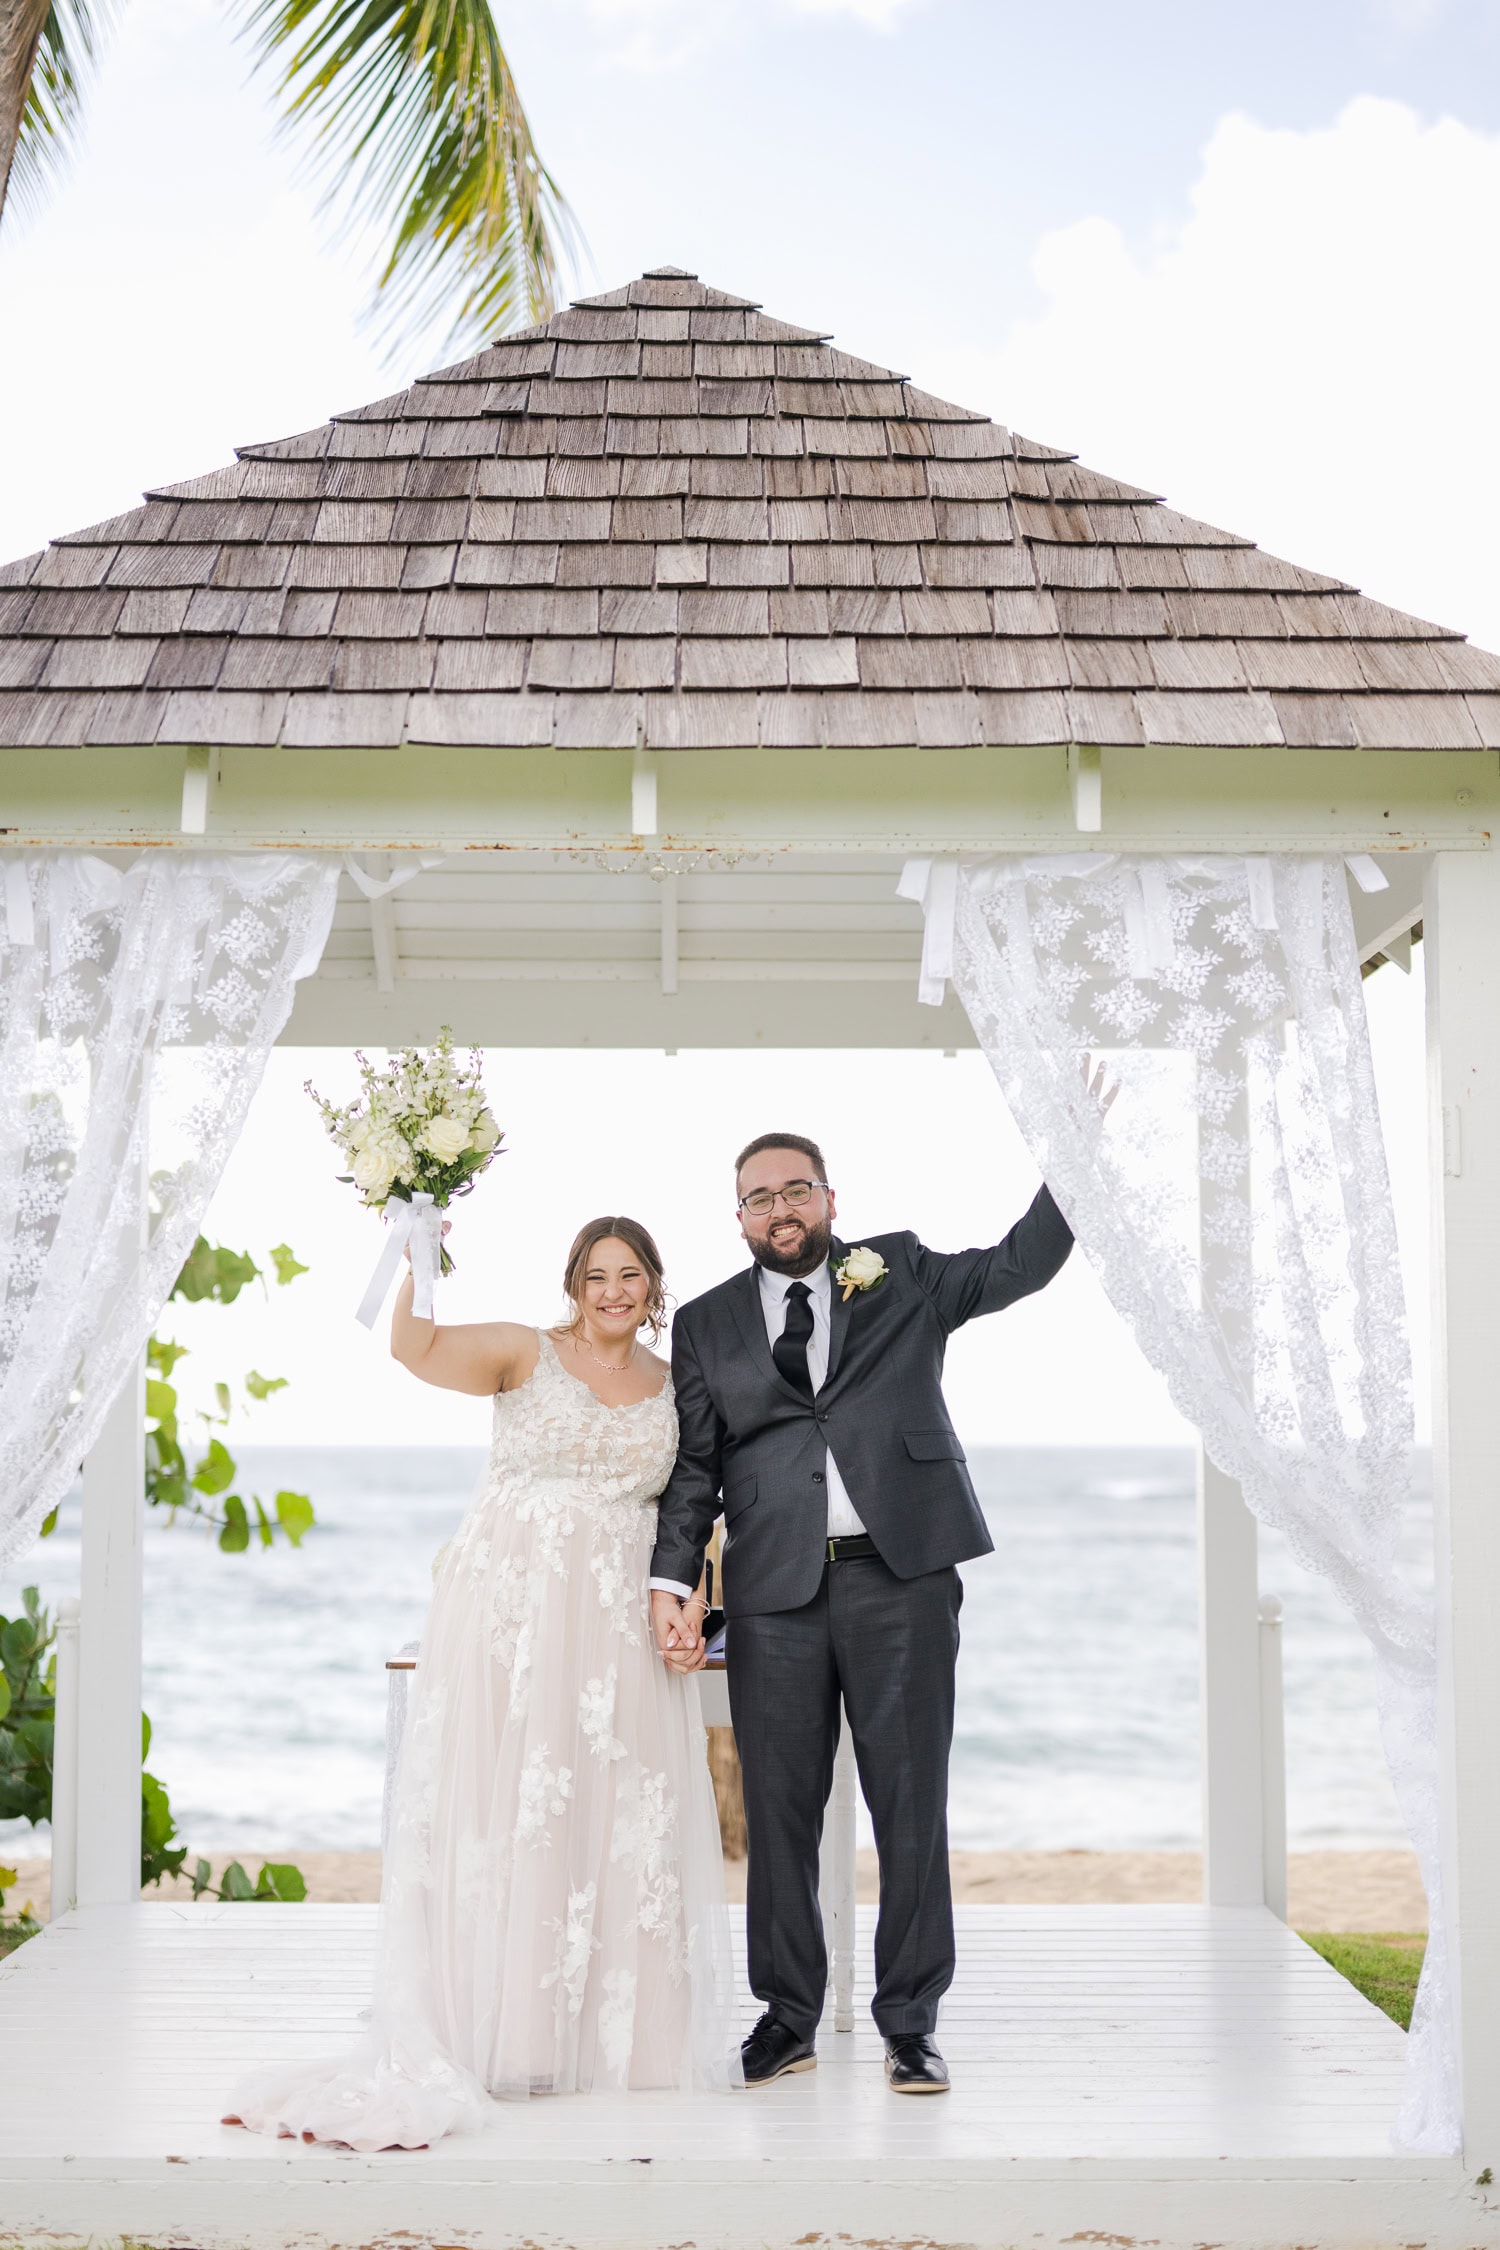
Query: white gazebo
[[624, 666]]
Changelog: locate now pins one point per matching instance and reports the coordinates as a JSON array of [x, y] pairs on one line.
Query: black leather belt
[[854, 1549]]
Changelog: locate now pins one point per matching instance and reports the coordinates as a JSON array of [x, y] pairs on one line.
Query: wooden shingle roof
[[666, 519]]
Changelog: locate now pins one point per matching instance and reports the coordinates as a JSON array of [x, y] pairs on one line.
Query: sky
[[1243, 256]]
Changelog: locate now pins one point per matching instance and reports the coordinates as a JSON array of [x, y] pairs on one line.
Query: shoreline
[[1326, 1890]]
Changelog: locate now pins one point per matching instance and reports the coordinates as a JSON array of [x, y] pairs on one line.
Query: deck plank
[[1133, 2040]]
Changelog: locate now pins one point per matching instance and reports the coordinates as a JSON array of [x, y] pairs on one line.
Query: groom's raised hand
[[675, 1624]]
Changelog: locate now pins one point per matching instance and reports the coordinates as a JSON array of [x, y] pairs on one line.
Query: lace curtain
[[1234, 1203], [138, 1006]]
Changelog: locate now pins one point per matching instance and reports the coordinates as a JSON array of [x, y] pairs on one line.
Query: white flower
[[374, 1173], [486, 1133], [444, 1138], [860, 1269]]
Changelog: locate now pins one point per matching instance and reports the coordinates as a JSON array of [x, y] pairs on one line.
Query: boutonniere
[[861, 1269]]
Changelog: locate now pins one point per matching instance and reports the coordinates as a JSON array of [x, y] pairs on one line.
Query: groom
[[809, 1392]]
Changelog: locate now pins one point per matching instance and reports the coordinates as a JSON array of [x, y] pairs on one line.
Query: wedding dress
[[552, 1909]]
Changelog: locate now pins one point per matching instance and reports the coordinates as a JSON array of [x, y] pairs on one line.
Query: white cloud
[[1307, 358]]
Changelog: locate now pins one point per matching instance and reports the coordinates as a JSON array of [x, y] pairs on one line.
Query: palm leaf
[[46, 48], [416, 124]]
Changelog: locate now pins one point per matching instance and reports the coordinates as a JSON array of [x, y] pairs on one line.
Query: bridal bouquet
[[418, 1133]]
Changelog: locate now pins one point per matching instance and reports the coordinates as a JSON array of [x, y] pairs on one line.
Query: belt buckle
[[832, 1550]]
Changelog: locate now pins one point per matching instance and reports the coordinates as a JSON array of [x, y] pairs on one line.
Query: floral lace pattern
[[138, 1006], [1235, 1205], [553, 1911]]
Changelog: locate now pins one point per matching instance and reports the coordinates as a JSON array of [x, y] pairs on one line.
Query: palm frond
[[416, 125], [46, 49]]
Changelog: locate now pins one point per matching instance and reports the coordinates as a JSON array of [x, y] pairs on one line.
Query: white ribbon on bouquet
[[420, 1224]]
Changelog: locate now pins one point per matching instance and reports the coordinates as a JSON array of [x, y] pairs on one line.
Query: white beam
[[1461, 926], [109, 1653], [643, 815], [1086, 783], [384, 942], [669, 961], [200, 774], [911, 802], [1230, 1694]]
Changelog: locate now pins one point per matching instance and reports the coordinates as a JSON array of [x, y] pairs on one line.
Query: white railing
[[1272, 1759], [65, 1761]]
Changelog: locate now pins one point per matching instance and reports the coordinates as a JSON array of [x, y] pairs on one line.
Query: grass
[[16, 1933], [1382, 1964]]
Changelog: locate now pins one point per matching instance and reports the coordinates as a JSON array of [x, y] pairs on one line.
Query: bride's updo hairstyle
[[640, 1244]]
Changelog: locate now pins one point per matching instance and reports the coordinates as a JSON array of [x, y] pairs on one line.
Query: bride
[[552, 1908]]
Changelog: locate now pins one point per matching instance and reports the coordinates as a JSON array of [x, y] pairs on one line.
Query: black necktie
[[790, 1348]]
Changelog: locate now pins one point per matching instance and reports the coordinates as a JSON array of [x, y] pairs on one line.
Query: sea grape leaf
[[162, 1355], [277, 1880], [215, 1472], [294, 1513], [161, 1404]]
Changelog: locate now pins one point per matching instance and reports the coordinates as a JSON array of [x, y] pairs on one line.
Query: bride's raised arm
[[481, 1356]]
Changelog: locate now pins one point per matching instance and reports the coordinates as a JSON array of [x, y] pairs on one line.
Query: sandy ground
[[1327, 1890]]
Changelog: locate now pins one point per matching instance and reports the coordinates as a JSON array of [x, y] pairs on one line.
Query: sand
[[1334, 1890]]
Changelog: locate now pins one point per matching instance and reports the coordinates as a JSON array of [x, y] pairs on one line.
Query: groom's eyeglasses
[[793, 1195]]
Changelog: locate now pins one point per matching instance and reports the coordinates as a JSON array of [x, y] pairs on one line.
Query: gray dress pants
[[887, 1646]]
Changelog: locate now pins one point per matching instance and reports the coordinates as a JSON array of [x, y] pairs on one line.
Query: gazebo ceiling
[[664, 520]]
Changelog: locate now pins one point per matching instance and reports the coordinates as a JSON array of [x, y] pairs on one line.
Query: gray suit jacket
[[749, 1437]]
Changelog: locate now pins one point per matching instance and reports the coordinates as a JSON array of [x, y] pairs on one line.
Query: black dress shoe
[[772, 2050], [914, 2066]]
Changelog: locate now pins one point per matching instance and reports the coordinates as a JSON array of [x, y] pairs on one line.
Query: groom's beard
[[797, 1254]]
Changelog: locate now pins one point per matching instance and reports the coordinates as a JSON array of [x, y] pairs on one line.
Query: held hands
[[676, 1625]]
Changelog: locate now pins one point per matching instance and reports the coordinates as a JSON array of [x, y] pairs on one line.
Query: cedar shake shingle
[[664, 517]]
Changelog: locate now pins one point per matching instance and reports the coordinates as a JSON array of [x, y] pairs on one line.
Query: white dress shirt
[[843, 1522]]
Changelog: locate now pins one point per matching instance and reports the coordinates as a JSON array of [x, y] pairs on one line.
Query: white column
[[1461, 922], [109, 1654], [1229, 1693]]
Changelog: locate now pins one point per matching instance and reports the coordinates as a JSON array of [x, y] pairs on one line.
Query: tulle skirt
[[552, 1911]]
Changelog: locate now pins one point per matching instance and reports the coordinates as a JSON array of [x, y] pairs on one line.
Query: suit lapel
[[744, 1298], [839, 1310]]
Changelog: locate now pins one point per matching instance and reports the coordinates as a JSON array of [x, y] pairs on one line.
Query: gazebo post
[[1229, 1693], [109, 1654], [1461, 922]]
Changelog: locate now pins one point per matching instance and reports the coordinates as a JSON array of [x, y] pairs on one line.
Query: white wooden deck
[[1169, 2073]]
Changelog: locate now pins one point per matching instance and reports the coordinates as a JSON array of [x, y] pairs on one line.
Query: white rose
[[862, 1268], [444, 1138], [373, 1172], [485, 1134]]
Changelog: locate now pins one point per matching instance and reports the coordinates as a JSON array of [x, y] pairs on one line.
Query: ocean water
[[1077, 1701]]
